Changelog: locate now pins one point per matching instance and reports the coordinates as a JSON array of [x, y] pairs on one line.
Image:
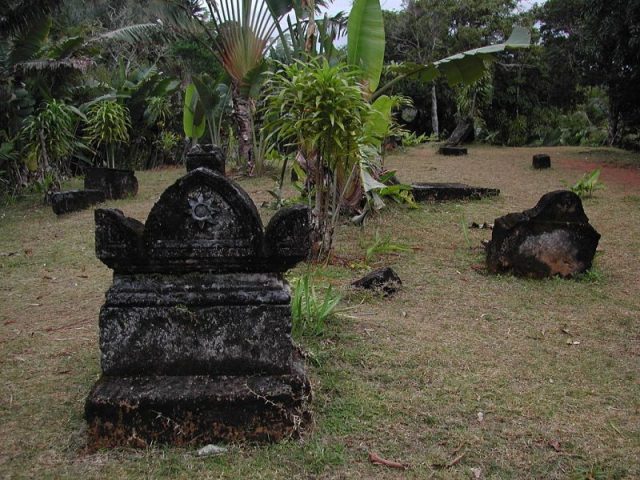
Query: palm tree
[[239, 33]]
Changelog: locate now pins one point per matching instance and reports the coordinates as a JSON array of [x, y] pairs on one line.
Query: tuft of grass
[[382, 246], [311, 306]]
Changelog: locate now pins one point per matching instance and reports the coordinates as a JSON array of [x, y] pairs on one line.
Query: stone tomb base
[[423, 192], [196, 410]]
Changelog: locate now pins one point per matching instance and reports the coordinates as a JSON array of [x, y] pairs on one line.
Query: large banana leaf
[[365, 40], [193, 118], [378, 122], [465, 67]]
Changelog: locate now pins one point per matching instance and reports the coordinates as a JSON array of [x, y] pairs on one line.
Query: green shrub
[[587, 184], [518, 132], [49, 136], [108, 124]]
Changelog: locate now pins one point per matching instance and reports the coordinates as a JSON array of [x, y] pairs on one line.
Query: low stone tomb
[[423, 192], [115, 183], [74, 200], [207, 156], [553, 238], [541, 161], [452, 151], [195, 332]]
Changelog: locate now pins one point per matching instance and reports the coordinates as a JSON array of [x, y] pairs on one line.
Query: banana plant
[[205, 104], [365, 49]]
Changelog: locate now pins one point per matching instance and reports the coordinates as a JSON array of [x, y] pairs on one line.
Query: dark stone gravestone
[[207, 156], [195, 332], [115, 183], [553, 238], [384, 280], [423, 192], [452, 151], [541, 160], [74, 200]]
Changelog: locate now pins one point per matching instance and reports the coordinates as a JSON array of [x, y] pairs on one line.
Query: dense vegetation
[[106, 83]]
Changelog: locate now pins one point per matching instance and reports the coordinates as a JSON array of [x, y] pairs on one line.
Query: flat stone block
[[423, 192], [540, 161], [452, 151], [74, 200], [196, 410], [115, 183]]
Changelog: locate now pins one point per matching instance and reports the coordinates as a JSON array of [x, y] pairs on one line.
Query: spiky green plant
[[310, 310], [108, 124], [49, 136], [320, 109], [587, 184], [381, 246]]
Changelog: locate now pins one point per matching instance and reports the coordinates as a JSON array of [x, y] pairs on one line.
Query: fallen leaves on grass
[[377, 460], [555, 444]]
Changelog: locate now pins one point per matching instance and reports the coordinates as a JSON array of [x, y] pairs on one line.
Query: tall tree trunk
[[463, 131], [614, 117], [242, 117], [319, 210], [435, 126], [309, 44]]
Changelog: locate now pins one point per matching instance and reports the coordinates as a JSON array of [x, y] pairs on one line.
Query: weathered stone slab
[[423, 192], [190, 339], [196, 410], [384, 280], [74, 200], [553, 238], [452, 151], [206, 156], [115, 183], [541, 161]]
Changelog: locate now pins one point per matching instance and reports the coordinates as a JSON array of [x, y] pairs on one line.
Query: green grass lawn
[[460, 375]]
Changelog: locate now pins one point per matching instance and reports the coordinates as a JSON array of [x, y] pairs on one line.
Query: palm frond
[[30, 41], [141, 32], [17, 17], [80, 64]]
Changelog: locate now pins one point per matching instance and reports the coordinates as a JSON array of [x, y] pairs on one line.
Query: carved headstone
[[195, 332], [553, 238]]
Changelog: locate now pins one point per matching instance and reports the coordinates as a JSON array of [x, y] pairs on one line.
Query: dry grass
[[405, 377]]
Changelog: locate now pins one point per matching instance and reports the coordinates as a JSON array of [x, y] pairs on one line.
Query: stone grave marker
[[425, 192], [74, 200], [208, 156], [114, 182], [195, 332], [541, 161], [452, 151], [553, 238]]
